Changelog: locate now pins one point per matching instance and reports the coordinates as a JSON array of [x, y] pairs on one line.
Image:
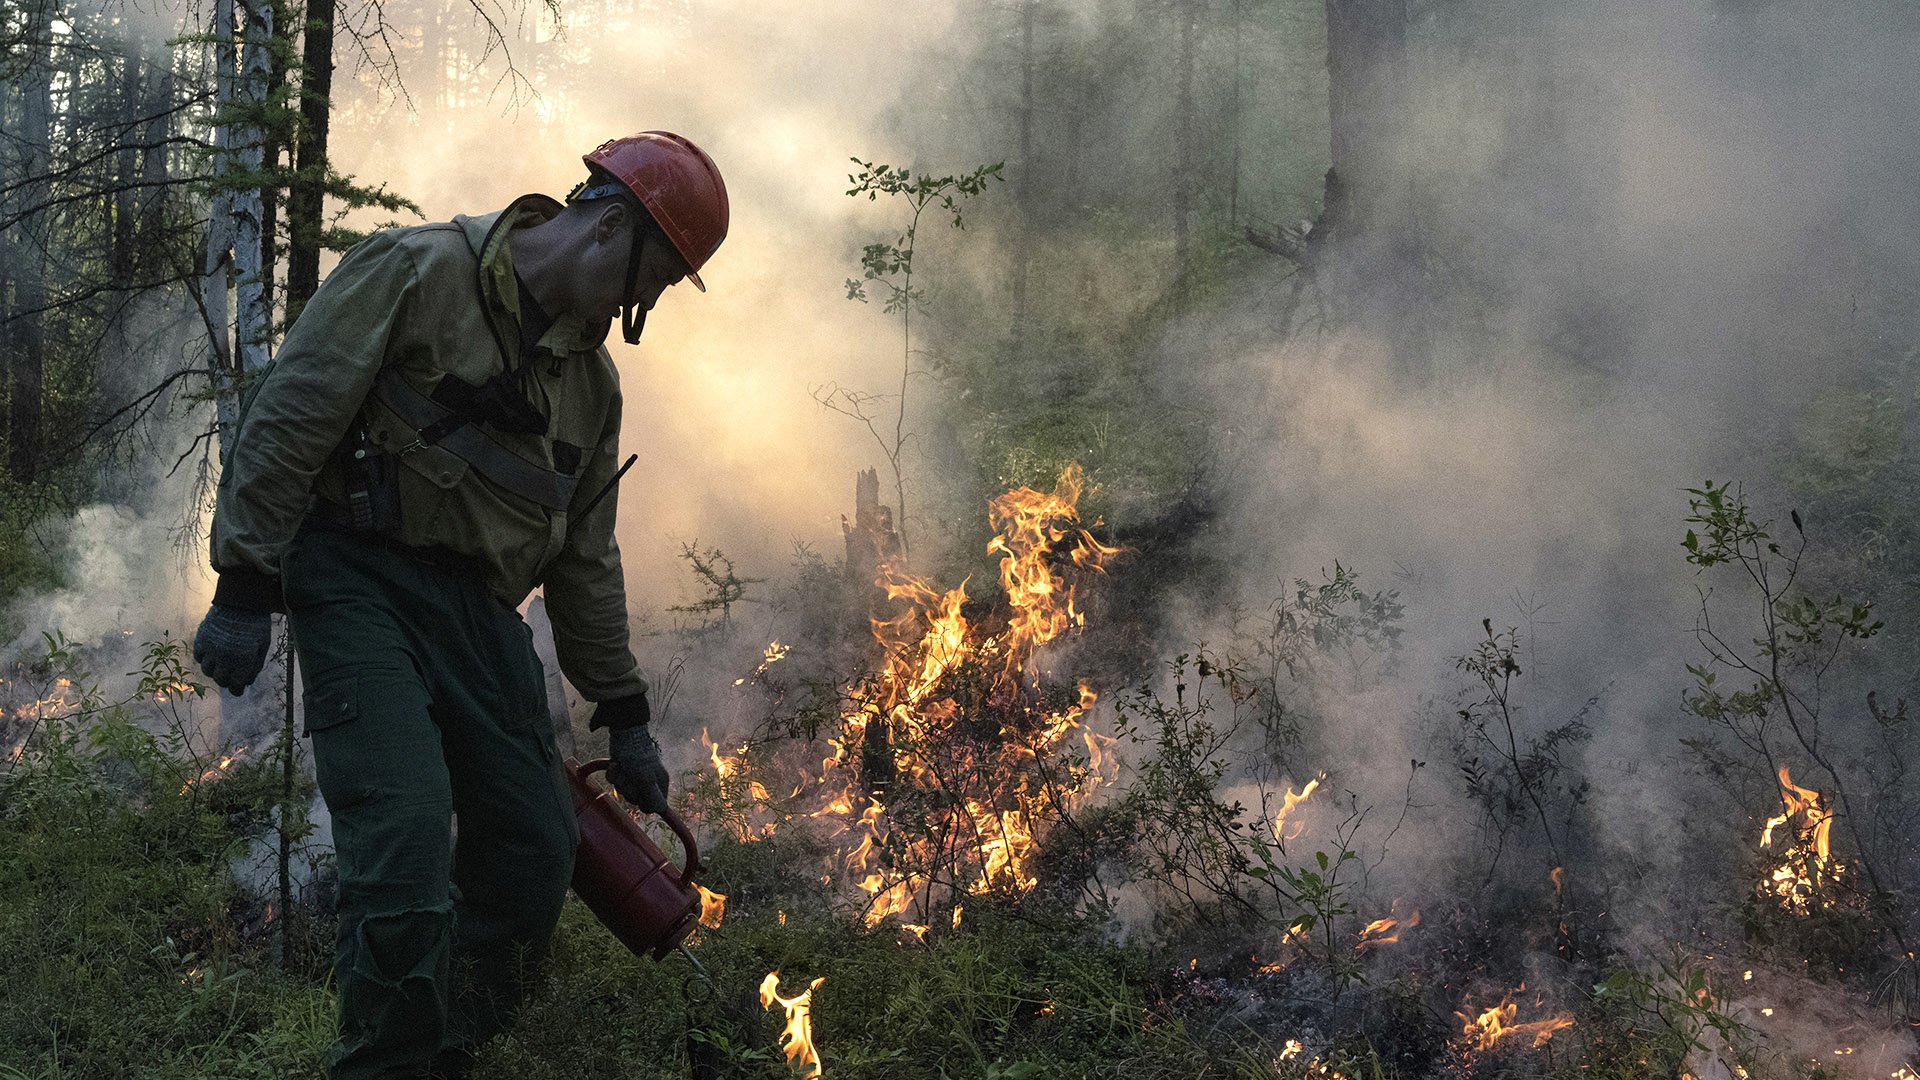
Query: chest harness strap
[[436, 425]]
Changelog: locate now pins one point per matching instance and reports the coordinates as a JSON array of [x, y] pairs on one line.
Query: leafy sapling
[[888, 269]]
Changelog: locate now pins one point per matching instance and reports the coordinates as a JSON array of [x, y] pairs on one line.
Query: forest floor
[[133, 952]]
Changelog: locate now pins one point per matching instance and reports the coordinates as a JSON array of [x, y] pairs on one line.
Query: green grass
[[1004, 993], [122, 957]]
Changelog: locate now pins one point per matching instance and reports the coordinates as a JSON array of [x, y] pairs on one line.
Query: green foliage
[[1732, 535], [1326, 641], [1765, 703], [1652, 1020], [1799, 637], [721, 587], [1210, 860], [1336, 617], [1185, 839], [1322, 901], [117, 900], [890, 265], [1007, 996], [1517, 778], [121, 905]]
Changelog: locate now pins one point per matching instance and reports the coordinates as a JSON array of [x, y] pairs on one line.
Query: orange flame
[[1031, 525], [713, 907], [1385, 931], [43, 708], [171, 688], [955, 731], [796, 1041], [1314, 1069], [1804, 869], [738, 788], [956, 712], [773, 654], [1480, 1033], [226, 762], [1290, 800]]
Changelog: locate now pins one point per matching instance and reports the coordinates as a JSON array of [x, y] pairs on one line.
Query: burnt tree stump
[[872, 541]]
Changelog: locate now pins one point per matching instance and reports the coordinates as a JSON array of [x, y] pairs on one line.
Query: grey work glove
[[231, 646], [635, 770], [634, 767]]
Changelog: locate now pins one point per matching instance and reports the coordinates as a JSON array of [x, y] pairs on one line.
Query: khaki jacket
[[426, 302]]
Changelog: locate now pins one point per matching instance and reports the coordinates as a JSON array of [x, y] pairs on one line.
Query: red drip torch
[[624, 878]]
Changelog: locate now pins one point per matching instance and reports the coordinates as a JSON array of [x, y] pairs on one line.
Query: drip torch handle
[[673, 820]]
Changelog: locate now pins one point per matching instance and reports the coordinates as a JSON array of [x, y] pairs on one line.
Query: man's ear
[[611, 220]]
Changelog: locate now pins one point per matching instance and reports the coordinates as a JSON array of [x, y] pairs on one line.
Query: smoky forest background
[[1267, 539]]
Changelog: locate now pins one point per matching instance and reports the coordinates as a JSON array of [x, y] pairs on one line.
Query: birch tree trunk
[[236, 221], [253, 327], [218, 267]]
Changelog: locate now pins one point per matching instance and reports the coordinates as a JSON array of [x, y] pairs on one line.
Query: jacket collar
[[487, 235]]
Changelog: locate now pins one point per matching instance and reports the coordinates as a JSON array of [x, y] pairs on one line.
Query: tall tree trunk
[[10, 162], [1377, 258], [253, 324], [1023, 192], [1187, 12], [306, 206], [26, 353], [1366, 100], [275, 138], [126, 161], [218, 268], [253, 308], [1233, 115], [150, 242]]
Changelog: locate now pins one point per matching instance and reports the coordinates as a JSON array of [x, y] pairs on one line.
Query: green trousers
[[452, 827]]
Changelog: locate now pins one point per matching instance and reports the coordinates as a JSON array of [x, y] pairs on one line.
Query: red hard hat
[[678, 184]]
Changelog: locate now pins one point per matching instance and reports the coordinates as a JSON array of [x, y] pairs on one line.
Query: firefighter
[[427, 448]]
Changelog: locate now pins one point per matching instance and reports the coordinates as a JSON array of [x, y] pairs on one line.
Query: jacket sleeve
[[299, 413], [586, 588]]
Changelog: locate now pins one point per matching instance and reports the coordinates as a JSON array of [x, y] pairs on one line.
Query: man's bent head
[[675, 205]]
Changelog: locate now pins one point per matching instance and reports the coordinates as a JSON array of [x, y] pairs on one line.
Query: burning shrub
[[946, 765], [1846, 910]]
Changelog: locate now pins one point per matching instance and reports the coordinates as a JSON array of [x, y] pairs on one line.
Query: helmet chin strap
[[633, 317]]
